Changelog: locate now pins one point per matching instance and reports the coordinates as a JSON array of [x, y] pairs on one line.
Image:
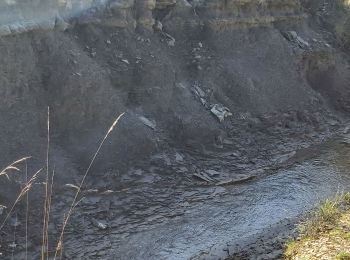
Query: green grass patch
[[291, 249], [323, 220], [343, 256]]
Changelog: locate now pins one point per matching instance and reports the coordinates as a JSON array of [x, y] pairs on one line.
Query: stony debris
[[201, 95], [148, 122], [293, 36], [219, 191], [69, 185], [199, 55], [220, 112], [302, 43], [346, 140], [203, 176], [2, 209], [170, 39], [227, 141], [284, 158], [158, 26], [138, 172], [290, 35], [14, 222], [12, 245], [61, 24], [162, 158], [178, 157], [234, 181], [182, 169], [212, 173], [198, 91], [219, 178], [102, 225]]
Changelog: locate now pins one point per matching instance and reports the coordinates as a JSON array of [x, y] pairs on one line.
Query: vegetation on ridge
[[326, 234]]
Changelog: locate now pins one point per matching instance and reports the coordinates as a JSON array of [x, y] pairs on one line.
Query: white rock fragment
[[212, 173], [199, 92], [158, 26], [12, 245], [294, 37], [302, 43], [2, 208], [14, 222], [99, 224], [61, 24], [178, 157], [171, 42], [69, 185], [220, 112], [203, 176], [148, 122], [170, 39]]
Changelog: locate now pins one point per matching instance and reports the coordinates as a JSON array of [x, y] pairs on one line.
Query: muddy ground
[[217, 99]]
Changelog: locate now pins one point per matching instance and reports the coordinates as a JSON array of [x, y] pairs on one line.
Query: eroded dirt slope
[[276, 78]]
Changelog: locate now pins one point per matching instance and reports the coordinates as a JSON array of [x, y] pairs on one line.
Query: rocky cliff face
[[239, 86], [181, 64], [19, 16], [214, 14], [22, 16]]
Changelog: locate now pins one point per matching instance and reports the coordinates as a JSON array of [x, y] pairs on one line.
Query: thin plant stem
[[44, 247], [73, 205], [27, 210], [14, 238], [13, 166], [49, 205], [24, 191]]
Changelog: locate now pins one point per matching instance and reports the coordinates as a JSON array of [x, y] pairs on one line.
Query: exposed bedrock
[[170, 65]]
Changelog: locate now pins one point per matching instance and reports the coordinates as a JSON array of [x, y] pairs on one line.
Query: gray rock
[[148, 122], [2, 209], [220, 112], [60, 24]]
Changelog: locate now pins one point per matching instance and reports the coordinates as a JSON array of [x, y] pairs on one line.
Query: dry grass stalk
[[45, 242], [27, 210], [59, 247], [23, 192], [13, 167], [14, 239]]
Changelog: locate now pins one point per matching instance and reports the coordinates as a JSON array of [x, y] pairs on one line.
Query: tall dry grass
[[47, 200], [27, 212], [24, 192], [48, 189], [27, 187], [59, 247], [12, 167]]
